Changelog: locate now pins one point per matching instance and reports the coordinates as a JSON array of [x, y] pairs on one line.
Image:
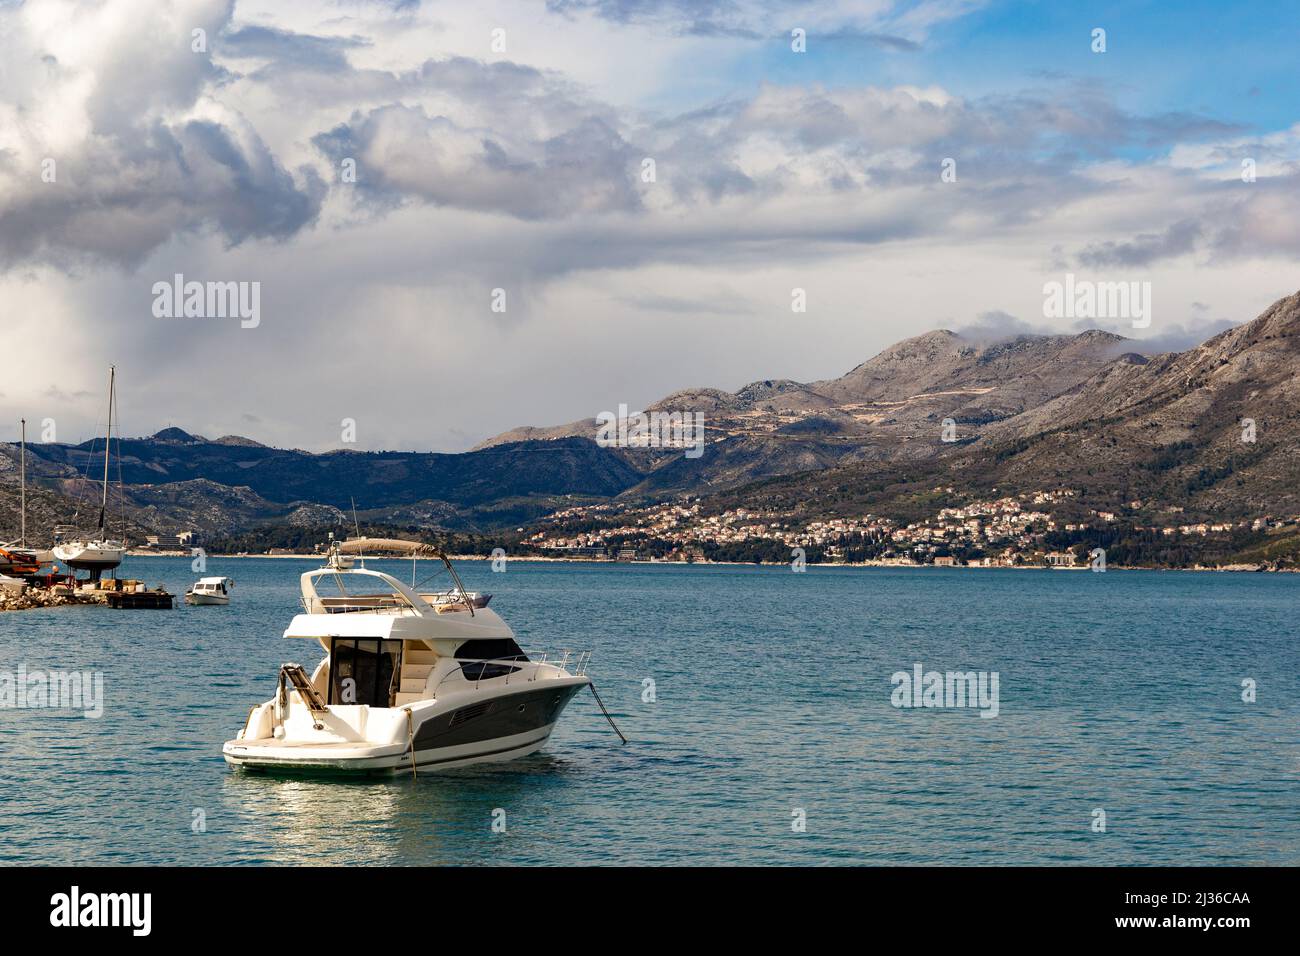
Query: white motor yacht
[[410, 679], [210, 591]]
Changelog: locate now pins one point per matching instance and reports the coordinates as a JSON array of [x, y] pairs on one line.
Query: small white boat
[[410, 679], [210, 591]]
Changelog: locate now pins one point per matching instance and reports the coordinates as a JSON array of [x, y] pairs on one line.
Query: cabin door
[[364, 671]]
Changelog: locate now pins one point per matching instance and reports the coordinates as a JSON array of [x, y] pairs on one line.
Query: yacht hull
[[515, 725], [89, 557], [192, 598], [273, 759]]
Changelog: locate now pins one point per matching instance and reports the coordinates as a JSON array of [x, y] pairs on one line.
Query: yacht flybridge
[[411, 678]]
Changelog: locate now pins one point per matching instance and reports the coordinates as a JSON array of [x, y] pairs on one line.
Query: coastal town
[[1048, 528], [1052, 528]]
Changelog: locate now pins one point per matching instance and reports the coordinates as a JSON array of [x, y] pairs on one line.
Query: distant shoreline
[[1232, 568]]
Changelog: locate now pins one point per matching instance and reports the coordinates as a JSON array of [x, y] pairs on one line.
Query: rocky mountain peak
[[1100, 337], [239, 441], [757, 391], [177, 435]]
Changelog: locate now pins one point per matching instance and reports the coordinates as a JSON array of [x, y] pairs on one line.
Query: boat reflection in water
[[294, 819]]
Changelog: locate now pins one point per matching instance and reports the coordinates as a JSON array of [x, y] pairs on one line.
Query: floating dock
[[139, 600]]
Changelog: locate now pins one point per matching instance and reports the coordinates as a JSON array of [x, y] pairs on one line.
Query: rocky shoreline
[[119, 594], [35, 598]]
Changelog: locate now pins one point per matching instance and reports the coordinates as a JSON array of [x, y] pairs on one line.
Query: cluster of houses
[[1004, 531]]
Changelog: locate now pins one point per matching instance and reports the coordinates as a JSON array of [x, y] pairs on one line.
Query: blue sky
[[1219, 60]]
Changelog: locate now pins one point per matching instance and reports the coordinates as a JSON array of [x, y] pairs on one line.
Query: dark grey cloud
[[1233, 221], [156, 159], [759, 19], [120, 199], [1081, 120], [503, 138], [687, 17], [848, 39], [402, 152], [288, 50], [1177, 240], [1162, 129]]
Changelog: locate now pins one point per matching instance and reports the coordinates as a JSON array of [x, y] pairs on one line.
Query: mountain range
[[1089, 411]]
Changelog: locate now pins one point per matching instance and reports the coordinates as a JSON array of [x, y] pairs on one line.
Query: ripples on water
[[1119, 691]]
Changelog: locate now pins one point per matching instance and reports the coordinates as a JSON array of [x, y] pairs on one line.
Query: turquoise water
[[1119, 691]]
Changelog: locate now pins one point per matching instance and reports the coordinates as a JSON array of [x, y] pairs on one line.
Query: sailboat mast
[[108, 444], [22, 470]]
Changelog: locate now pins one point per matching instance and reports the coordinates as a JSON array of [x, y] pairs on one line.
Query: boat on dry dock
[[16, 559], [96, 551], [411, 678]]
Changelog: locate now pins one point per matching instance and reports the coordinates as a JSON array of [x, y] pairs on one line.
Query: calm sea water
[[1119, 691]]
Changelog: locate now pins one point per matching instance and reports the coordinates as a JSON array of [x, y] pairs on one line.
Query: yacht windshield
[[339, 593]]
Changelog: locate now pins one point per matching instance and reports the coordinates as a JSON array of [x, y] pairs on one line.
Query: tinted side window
[[499, 650]]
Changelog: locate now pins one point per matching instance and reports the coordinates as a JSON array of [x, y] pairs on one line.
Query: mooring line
[[606, 712], [410, 738]]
